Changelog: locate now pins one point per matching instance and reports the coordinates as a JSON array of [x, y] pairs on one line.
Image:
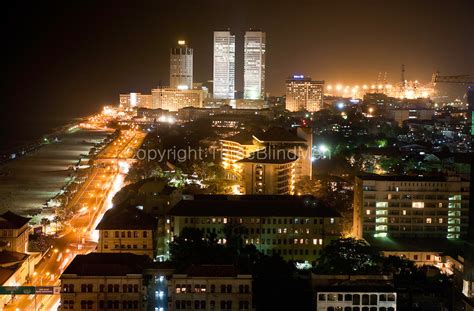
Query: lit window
[[315, 241], [418, 204], [428, 220], [404, 212], [332, 220], [367, 212], [440, 220]]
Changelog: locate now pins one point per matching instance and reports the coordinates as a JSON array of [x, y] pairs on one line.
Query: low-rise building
[[174, 99], [411, 206], [210, 287], [127, 229], [354, 293], [15, 270], [294, 227], [99, 281], [14, 231]]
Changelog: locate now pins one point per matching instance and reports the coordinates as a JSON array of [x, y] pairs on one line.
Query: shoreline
[[35, 144]]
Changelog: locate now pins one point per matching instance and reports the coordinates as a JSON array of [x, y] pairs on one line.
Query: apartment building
[[411, 206], [294, 227]]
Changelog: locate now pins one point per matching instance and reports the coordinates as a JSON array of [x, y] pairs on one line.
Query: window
[[89, 288], [117, 234], [356, 299], [365, 299], [135, 234], [106, 234], [332, 297], [110, 288], [373, 299], [331, 220], [101, 288], [229, 288], [144, 246], [116, 288], [145, 234], [213, 288], [223, 289], [347, 297], [129, 234], [135, 288], [123, 234]]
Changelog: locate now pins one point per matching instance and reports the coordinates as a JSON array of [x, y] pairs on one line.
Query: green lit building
[[411, 206]]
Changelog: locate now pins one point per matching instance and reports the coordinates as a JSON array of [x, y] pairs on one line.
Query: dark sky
[[68, 58]]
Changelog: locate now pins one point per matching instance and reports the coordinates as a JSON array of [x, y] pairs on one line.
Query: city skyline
[[128, 48]]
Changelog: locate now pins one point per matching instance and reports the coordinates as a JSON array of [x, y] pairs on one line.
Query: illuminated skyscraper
[[302, 93], [181, 67], [224, 65], [254, 65]]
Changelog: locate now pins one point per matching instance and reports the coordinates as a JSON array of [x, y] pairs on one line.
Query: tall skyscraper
[[224, 65], [254, 65], [302, 93], [181, 67]]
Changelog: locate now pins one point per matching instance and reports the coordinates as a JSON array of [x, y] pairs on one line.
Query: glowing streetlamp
[[323, 149]]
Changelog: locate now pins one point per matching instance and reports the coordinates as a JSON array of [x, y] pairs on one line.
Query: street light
[[324, 149]]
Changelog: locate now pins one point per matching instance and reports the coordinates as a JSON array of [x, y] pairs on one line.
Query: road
[[79, 237]]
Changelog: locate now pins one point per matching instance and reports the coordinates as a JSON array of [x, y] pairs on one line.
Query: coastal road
[[79, 237]]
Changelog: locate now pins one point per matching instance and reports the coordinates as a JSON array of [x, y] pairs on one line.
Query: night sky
[[68, 58]]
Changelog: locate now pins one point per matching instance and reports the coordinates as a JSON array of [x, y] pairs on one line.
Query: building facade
[[224, 65], [100, 281], [294, 227], [354, 292], [254, 65], [133, 100], [127, 230], [303, 93], [279, 140], [406, 206], [14, 231], [268, 171], [210, 287], [173, 99], [181, 67]]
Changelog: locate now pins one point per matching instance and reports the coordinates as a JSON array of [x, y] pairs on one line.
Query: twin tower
[[181, 65]]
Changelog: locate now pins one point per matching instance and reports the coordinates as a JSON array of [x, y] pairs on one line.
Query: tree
[[348, 256], [308, 186]]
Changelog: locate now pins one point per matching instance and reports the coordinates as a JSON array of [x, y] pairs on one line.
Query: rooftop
[[253, 205], [126, 217], [7, 257], [243, 138], [10, 220], [445, 246], [107, 264], [278, 134], [407, 177]]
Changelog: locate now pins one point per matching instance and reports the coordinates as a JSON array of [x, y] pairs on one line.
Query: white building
[[302, 93], [224, 65], [354, 292], [181, 66], [174, 99], [254, 65]]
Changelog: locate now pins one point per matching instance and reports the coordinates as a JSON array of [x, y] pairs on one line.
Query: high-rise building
[[302, 93], [411, 206], [254, 65], [181, 67], [224, 65]]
